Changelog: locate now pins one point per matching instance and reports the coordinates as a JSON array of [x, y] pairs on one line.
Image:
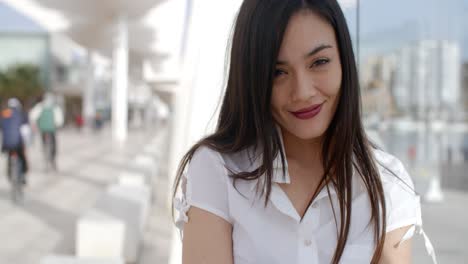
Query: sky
[[13, 21], [387, 24]]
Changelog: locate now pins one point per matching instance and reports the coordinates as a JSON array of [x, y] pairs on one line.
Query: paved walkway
[[446, 224], [88, 163]]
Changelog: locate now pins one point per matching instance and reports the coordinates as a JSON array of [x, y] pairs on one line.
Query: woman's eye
[[279, 72], [320, 62]]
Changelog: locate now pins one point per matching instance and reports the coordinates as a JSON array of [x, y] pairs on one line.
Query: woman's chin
[[307, 133]]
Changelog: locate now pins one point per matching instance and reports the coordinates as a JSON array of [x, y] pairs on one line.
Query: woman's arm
[[394, 254], [207, 239]]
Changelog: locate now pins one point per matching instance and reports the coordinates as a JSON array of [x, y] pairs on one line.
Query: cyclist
[[47, 117], [13, 120]]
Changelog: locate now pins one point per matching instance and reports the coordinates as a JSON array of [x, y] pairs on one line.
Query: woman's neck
[[307, 153]]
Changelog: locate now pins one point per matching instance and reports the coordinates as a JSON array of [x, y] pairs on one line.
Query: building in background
[[417, 90], [74, 70], [423, 78], [377, 78], [428, 77], [22, 41]]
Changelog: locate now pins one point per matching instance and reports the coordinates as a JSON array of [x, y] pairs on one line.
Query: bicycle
[[49, 159], [15, 174]]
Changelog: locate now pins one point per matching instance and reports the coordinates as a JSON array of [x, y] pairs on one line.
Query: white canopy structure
[[141, 38]]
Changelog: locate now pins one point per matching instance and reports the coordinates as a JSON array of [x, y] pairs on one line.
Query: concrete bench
[[137, 194], [148, 166], [99, 235], [151, 149], [133, 179], [131, 205], [146, 163], [56, 259]]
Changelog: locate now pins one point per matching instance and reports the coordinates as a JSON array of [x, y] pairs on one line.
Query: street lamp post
[[358, 28]]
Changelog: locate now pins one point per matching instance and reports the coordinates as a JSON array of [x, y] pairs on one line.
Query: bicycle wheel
[[16, 182], [48, 151]]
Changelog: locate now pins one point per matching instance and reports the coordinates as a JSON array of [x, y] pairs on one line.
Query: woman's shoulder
[[403, 206], [206, 167], [205, 154], [239, 161], [392, 171], [203, 185]]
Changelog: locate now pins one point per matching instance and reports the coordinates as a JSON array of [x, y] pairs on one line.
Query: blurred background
[[138, 82]]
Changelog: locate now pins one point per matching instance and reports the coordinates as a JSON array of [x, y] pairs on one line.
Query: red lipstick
[[309, 112]]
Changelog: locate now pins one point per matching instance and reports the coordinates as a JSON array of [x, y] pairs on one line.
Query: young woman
[[289, 175]]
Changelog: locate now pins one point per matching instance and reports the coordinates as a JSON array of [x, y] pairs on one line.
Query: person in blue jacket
[[12, 119]]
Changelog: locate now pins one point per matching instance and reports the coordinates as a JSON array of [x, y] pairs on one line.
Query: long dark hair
[[245, 119]]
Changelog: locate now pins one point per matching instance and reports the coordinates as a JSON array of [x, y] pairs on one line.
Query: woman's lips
[[308, 112]]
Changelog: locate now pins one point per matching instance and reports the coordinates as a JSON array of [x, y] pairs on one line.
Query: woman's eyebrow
[[310, 53], [317, 50]]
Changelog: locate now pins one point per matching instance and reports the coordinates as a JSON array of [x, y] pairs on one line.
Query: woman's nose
[[304, 87]]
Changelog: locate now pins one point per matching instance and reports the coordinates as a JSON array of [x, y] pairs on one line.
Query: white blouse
[[275, 233]]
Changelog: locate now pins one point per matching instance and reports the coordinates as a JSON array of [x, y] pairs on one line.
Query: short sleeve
[[401, 200], [204, 185]]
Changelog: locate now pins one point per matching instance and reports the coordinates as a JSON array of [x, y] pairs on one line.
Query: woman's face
[[307, 78]]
